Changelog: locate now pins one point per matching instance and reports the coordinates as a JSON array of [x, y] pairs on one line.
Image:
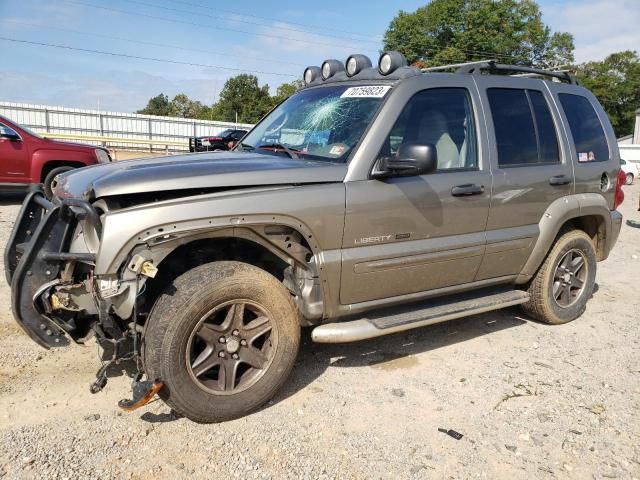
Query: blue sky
[[276, 38]]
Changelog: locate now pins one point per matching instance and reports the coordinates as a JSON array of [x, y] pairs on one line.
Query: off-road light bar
[[391, 61], [356, 63], [311, 74], [331, 67]]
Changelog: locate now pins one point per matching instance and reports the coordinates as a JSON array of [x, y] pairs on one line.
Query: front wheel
[[223, 338], [47, 184], [629, 179], [565, 281]]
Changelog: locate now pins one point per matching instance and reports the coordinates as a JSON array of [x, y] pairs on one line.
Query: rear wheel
[[565, 281], [629, 179], [223, 339], [47, 184]]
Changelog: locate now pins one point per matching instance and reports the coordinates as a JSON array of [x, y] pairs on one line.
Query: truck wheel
[[223, 338], [47, 184], [563, 284], [629, 179]]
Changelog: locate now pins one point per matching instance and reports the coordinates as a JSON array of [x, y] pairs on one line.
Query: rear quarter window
[[586, 129]]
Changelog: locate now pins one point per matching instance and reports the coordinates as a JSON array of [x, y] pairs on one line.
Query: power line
[[204, 14], [139, 57], [317, 27], [142, 42], [208, 27]]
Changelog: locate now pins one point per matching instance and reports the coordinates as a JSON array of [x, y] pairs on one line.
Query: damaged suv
[[374, 200]]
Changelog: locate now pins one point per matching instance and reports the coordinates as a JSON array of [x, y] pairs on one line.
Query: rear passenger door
[[531, 166]]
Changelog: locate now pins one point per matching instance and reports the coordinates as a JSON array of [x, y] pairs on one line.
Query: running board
[[406, 318]]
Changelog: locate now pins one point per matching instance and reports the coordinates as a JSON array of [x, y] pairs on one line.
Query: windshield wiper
[[279, 146], [246, 146]]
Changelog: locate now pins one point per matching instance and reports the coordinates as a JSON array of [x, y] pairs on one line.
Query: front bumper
[[34, 256]]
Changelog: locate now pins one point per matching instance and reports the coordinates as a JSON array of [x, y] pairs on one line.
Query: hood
[[64, 145], [194, 171]]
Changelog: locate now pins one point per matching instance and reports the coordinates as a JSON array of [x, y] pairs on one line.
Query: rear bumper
[[616, 225], [34, 256]]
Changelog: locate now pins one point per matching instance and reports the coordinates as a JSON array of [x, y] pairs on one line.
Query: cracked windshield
[[320, 124]]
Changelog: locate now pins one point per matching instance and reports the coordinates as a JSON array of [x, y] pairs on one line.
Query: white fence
[[149, 128]]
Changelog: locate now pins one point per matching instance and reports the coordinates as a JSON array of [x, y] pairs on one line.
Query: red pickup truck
[[27, 158]]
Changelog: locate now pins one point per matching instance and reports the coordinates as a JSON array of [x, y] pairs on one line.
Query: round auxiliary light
[[391, 61], [356, 63], [311, 74], [331, 67]]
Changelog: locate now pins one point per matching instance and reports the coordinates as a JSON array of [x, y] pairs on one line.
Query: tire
[[47, 184], [175, 331], [543, 305], [629, 179]]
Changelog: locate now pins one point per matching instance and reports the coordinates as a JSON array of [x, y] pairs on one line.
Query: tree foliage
[[616, 82], [285, 90], [158, 105], [182, 106], [452, 31], [241, 94]]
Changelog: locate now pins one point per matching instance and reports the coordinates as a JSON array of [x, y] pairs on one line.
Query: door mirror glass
[[411, 159], [9, 133]]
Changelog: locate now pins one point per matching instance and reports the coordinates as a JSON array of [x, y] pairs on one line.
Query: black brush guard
[[37, 248]]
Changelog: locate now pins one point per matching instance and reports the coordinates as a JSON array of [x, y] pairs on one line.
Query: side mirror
[[410, 160]]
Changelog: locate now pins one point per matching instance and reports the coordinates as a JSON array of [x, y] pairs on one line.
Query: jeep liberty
[[375, 200]]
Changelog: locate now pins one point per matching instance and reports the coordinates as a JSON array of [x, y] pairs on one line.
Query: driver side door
[[407, 235]]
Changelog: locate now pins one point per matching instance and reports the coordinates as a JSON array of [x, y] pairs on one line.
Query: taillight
[[215, 139], [619, 198]]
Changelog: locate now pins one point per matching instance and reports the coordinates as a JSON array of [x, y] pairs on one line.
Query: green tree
[[182, 106], [285, 90], [452, 31], [243, 96], [158, 105], [616, 82]]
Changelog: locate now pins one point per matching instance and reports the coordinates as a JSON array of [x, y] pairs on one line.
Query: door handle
[[468, 189], [560, 180]]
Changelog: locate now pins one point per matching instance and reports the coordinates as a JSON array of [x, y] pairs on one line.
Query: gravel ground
[[531, 401]]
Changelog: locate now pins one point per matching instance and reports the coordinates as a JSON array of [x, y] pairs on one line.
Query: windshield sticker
[[374, 91], [338, 149]]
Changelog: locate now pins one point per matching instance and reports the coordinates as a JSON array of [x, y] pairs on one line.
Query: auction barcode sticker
[[373, 91]]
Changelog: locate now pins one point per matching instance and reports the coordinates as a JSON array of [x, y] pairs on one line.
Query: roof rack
[[492, 67], [456, 65]]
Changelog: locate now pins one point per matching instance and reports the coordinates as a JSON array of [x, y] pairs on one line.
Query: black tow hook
[[143, 392]]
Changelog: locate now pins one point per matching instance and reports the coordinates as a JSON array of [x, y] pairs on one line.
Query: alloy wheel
[[569, 278], [231, 347]]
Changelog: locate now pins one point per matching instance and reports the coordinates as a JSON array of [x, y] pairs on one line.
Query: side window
[[547, 136], [4, 130], [524, 129], [586, 129], [442, 117]]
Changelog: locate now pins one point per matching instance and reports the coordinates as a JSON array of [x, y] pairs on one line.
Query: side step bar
[[407, 318]]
